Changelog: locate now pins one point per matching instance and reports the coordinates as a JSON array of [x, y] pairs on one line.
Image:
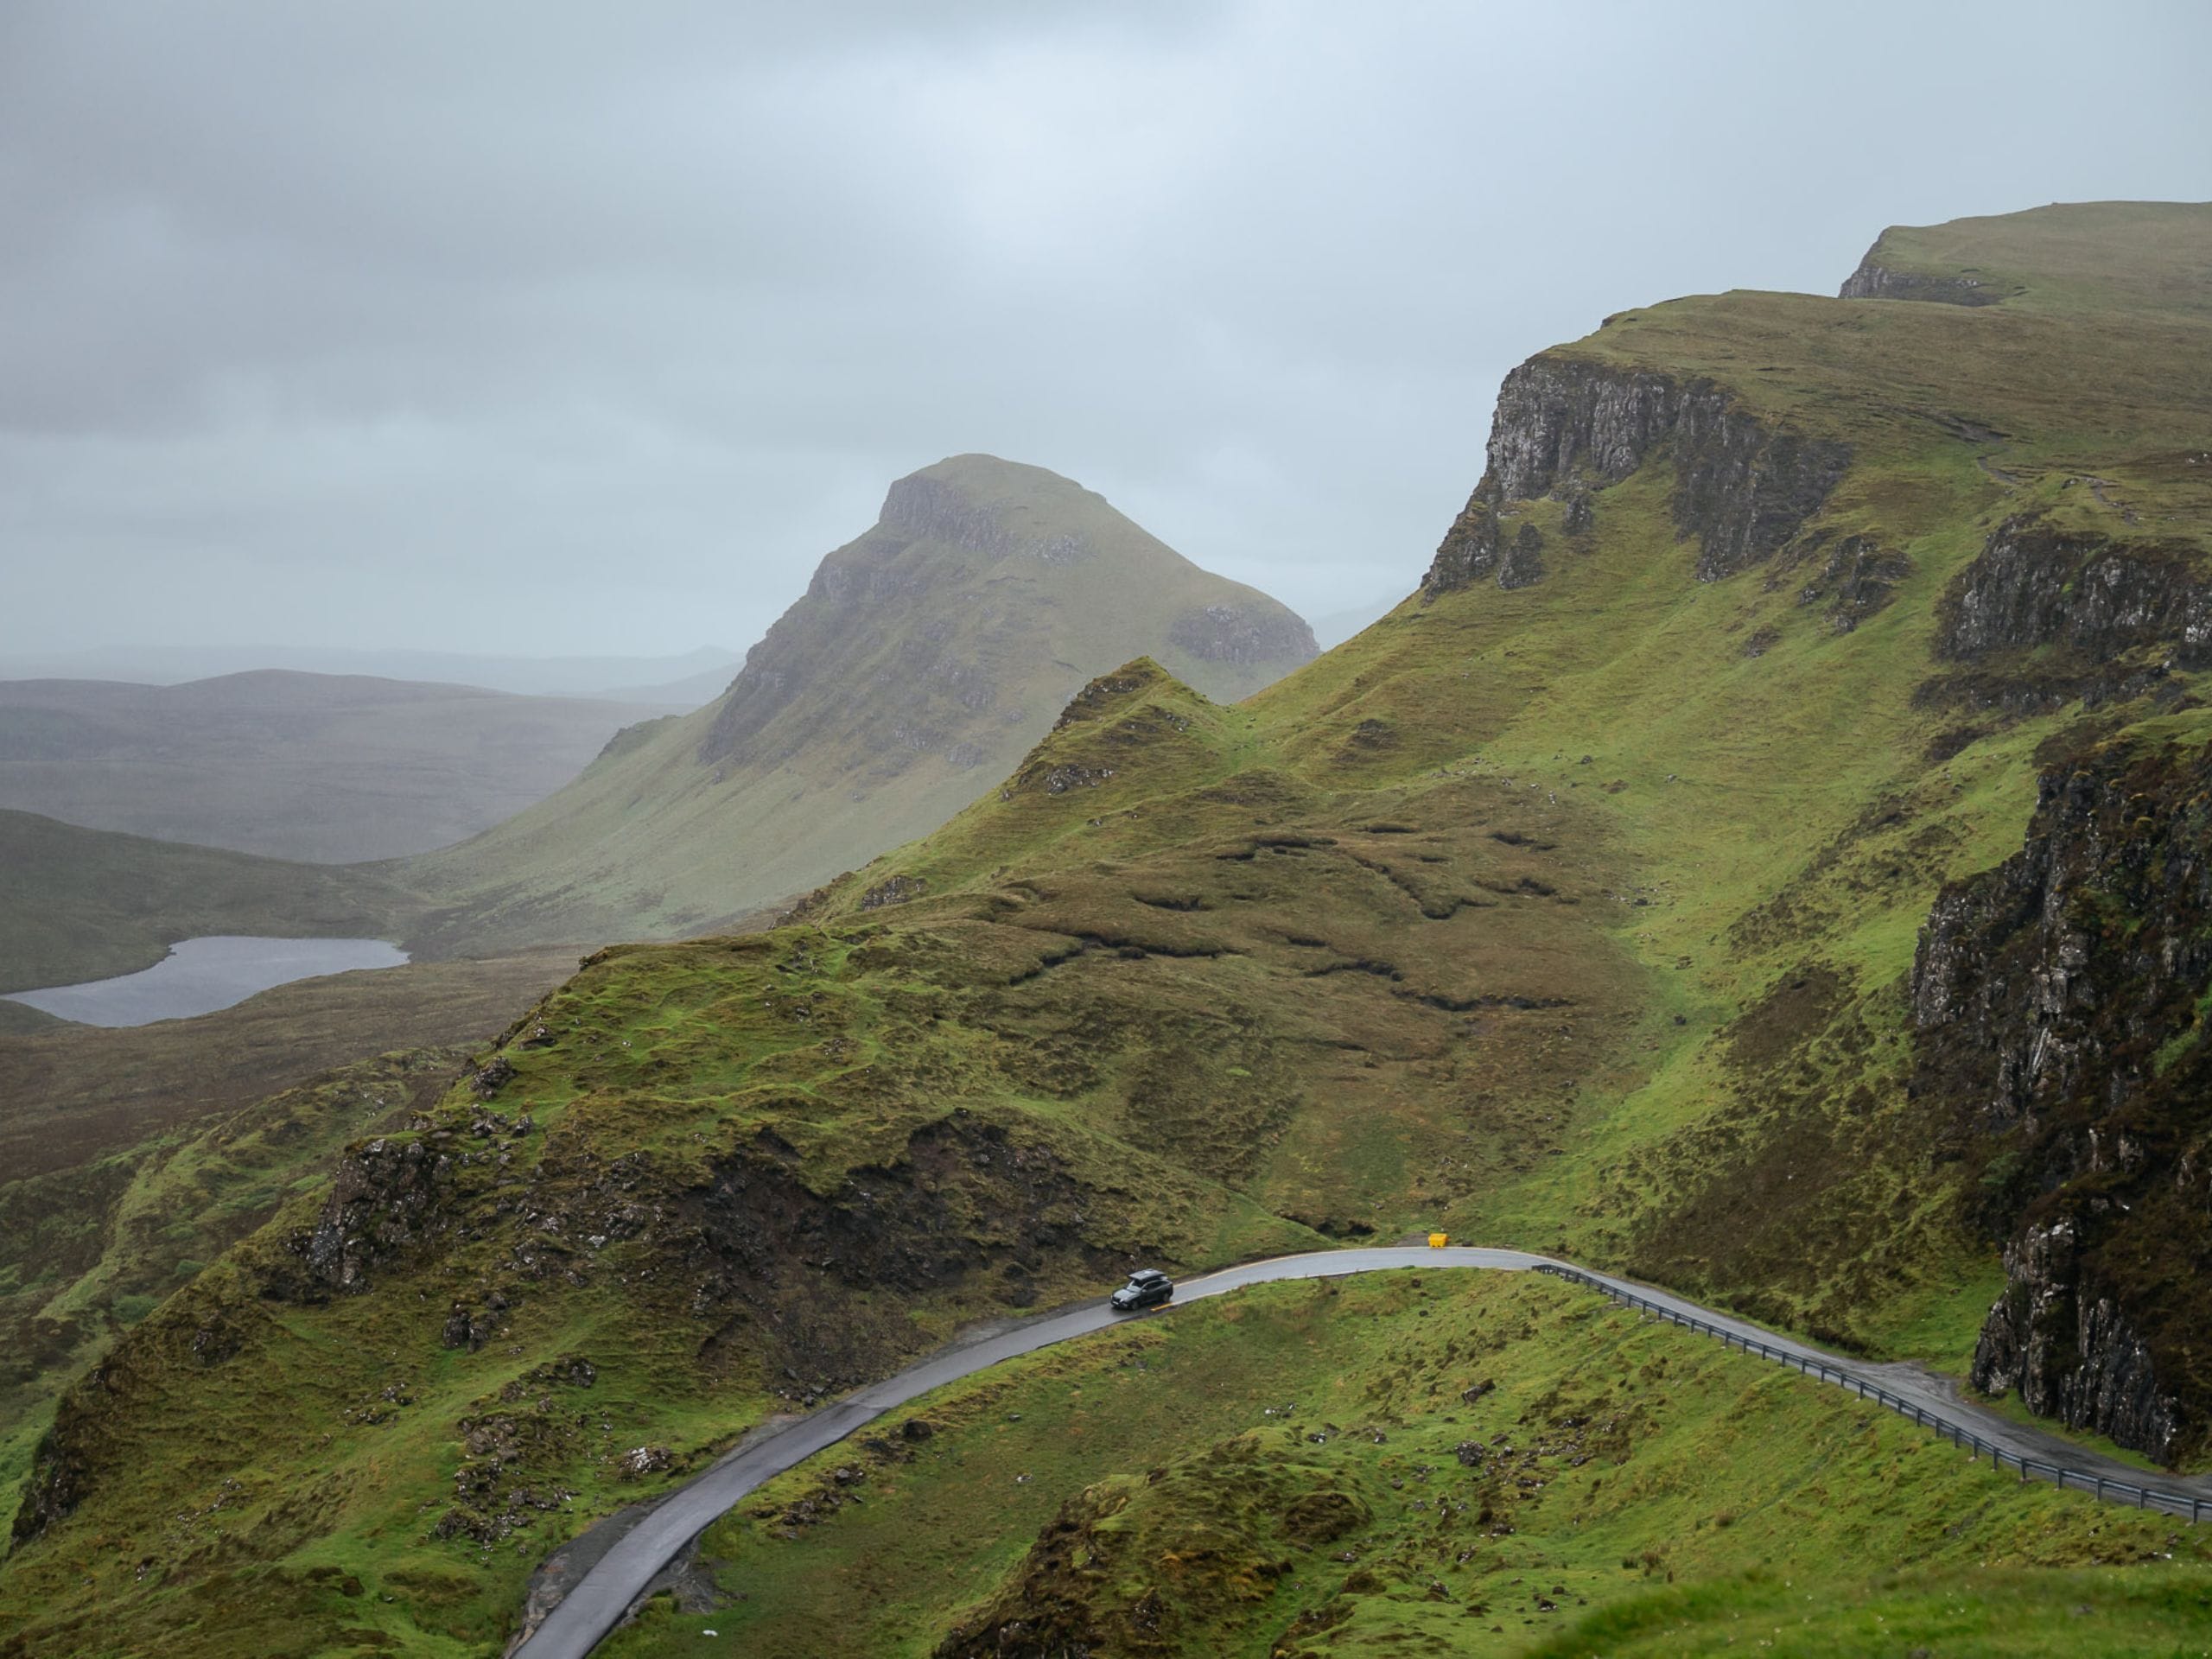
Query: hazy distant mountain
[[532, 676], [327, 768], [926, 658], [678, 696], [1333, 628]]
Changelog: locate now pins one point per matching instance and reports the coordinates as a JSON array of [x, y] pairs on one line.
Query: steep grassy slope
[[1433, 1462], [925, 659], [88, 1249], [133, 1157], [77, 904], [330, 769], [1602, 898]]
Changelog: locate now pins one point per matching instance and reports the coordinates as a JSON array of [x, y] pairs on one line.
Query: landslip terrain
[[1767, 856]]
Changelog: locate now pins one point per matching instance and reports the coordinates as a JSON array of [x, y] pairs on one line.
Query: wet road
[[602, 1599]]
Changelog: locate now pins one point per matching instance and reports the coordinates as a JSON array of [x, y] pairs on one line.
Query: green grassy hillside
[[91, 1246], [1301, 1469], [925, 659], [1801, 717], [327, 768], [79, 905], [135, 1156]]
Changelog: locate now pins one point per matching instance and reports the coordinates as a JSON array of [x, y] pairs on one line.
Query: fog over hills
[[925, 657], [680, 681], [331, 769]]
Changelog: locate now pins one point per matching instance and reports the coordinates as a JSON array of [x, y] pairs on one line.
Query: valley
[[323, 769], [84, 905], [1764, 858]]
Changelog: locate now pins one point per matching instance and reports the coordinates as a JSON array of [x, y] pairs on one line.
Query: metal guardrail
[[2105, 1489]]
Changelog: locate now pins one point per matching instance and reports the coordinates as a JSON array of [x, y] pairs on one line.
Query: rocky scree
[[2058, 1004]]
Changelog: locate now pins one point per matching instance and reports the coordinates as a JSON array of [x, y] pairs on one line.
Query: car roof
[[1148, 1273]]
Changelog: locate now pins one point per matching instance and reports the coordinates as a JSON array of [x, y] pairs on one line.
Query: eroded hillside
[[1577, 905]]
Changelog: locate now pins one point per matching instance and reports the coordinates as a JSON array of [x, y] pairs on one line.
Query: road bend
[[603, 1596]]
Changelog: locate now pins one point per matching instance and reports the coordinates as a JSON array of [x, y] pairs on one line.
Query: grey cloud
[[593, 326]]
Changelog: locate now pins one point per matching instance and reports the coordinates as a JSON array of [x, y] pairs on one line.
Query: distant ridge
[[610, 676], [330, 768], [926, 657]]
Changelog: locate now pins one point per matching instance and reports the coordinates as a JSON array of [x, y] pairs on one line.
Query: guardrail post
[[2100, 1489]]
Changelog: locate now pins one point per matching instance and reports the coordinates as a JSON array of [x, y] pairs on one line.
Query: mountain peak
[[927, 656], [1001, 508]]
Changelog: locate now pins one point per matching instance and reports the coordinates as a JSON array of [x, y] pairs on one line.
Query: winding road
[[603, 1596]]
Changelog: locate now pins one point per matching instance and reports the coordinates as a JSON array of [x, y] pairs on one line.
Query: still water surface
[[200, 975]]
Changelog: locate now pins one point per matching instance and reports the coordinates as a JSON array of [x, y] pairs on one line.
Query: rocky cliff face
[[2059, 1003], [1566, 428], [1873, 281], [2032, 587], [2042, 618], [1559, 418], [934, 508]]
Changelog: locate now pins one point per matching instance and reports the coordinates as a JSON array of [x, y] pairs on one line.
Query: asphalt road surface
[[603, 1596]]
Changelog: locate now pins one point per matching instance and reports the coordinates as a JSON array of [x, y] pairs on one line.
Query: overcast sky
[[567, 328]]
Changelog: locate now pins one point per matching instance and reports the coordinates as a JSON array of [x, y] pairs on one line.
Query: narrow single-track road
[[602, 1598]]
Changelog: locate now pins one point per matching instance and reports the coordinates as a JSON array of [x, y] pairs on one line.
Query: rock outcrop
[[1873, 281], [1566, 427], [2032, 587], [787, 1282], [2072, 1355], [1859, 578], [935, 509], [2059, 1003]]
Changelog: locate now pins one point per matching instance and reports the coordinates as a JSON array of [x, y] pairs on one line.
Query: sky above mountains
[[566, 328]]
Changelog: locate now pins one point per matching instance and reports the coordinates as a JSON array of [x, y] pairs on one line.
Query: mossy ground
[[87, 1252], [1307, 1494]]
